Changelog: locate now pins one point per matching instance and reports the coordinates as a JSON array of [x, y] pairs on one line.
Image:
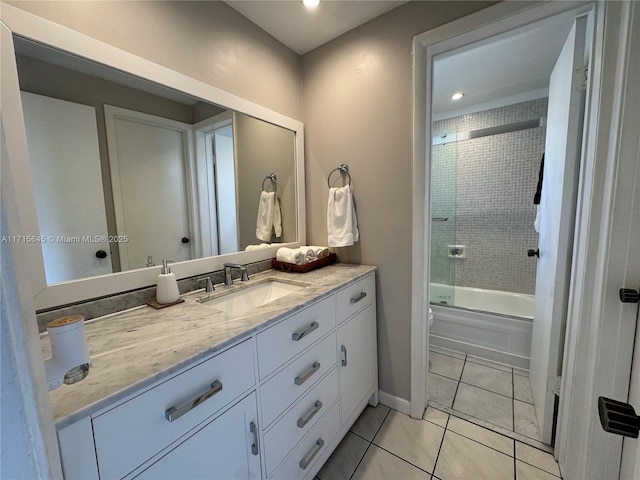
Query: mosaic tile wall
[[485, 188]]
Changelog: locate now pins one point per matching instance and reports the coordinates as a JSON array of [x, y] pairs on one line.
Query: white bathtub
[[505, 303], [485, 323]]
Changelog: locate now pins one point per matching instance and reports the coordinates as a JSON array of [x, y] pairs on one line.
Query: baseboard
[[396, 403]]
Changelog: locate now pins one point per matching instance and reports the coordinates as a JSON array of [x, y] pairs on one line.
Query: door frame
[[592, 454]]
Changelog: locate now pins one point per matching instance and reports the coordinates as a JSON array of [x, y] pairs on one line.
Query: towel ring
[[274, 184], [343, 169]]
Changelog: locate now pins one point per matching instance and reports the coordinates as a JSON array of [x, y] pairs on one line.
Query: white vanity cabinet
[[273, 406]]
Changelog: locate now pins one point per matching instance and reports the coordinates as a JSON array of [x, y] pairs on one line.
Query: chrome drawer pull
[[300, 379], [297, 336], [254, 446], [304, 463], [173, 413], [316, 408], [343, 349], [359, 297]]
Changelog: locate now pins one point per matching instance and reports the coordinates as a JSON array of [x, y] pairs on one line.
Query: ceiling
[[303, 29]]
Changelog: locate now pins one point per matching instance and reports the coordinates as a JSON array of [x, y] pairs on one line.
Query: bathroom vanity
[[192, 391]]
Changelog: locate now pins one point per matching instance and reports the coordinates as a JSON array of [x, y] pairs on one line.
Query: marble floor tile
[[379, 464], [486, 437], [344, 460], [526, 423], [489, 363], [442, 390], [461, 458], [445, 366], [522, 389], [537, 458], [369, 421], [416, 441], [436, 416], [524, 471], [488, 406], [497, 381]]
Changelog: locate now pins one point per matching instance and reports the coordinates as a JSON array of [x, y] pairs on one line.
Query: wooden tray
[[292, 267]]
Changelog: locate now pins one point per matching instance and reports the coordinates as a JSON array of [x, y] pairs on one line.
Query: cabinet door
[[223, 449], [358, 359]]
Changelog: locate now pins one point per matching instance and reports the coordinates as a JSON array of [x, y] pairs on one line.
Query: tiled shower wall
[[485, 188]]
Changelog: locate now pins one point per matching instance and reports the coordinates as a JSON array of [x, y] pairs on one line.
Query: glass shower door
[[443, 221]]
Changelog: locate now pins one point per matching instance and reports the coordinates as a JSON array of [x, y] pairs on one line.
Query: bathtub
[[486, 323]]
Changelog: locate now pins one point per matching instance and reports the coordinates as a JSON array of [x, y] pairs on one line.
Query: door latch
[[618, 418]]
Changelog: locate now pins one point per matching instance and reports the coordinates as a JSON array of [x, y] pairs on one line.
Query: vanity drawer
[[285, 340], [355, 297], [296, 379], [280, 439], [129, 434], [311, 448]]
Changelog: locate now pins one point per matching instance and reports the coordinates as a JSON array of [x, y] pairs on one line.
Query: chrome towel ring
[[274, 184], [343, 169]]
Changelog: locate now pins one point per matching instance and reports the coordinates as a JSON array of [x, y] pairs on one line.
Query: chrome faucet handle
[[209, 287], [245, 275]]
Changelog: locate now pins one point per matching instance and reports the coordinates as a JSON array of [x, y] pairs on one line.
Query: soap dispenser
[[167, 289]]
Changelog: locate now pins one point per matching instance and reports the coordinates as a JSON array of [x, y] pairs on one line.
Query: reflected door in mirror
[[65, 166], [147, 156]]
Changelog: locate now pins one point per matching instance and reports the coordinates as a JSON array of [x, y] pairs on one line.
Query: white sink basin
[[250, 298]]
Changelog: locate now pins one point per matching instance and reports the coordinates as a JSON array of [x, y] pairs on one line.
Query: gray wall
[[269, 149], [208, 41], [485, 187], [358, 110]]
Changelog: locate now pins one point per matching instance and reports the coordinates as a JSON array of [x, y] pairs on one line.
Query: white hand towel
[[342, 225], [291, 255], [266, 209], [321, 252], [277, 217]]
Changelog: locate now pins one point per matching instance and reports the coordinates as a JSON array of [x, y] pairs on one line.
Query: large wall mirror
[[132, 165]]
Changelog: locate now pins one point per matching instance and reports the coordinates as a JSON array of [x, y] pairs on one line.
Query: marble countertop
[[132, 349]]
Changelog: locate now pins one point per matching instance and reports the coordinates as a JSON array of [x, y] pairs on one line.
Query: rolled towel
[[310, 254], [257, 247], [321, 252], [296, 256]]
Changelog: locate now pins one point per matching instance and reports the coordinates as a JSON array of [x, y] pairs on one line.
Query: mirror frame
[[18, 22]]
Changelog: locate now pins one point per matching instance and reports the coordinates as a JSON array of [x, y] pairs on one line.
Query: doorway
[[587, 453]]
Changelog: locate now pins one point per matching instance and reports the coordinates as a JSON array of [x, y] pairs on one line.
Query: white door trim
[[584, 451], [486, 23]]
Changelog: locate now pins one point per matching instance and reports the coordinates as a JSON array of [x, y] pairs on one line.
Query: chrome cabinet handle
[[254, 446], [298, 335], [303, 421], [359, 297], [343, 349], [300, 379], [174, 413], [304, 463]]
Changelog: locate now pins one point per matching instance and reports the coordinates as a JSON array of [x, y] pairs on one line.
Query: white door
[[67, 180], [557, 219], [148, 158], [226, 448], [225, 180]]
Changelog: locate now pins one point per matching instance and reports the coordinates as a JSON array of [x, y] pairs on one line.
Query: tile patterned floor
[[489, 394], [387, 445]]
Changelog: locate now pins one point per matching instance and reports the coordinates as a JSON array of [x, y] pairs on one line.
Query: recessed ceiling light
[[457, 96], [311, 3]]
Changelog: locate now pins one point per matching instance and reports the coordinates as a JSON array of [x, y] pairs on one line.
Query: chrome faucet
[[228, 281], [209, 288]]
